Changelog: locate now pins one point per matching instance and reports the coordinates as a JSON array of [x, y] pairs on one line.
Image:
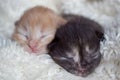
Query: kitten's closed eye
[[43, 36], [95, 55], [22, 33], [92, 52], [61, 58], [46, 37]]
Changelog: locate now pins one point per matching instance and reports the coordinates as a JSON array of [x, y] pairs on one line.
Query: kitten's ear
[[17, 23], [58, 19], [100, 34], [52, 44], [62, 21]]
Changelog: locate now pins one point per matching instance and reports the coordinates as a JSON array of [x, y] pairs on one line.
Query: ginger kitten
[[36, 28]]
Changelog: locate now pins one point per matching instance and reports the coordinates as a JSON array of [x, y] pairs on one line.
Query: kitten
[[76, 46], [36, 28]]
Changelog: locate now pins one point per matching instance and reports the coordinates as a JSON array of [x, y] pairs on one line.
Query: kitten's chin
[[82, 74], [39, 51], [85, 74], [42, 51]]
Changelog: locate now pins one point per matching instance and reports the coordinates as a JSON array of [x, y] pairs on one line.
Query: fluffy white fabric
[[16, 64]]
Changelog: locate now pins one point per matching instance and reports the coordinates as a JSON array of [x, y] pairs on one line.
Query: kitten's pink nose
[[33, 46]]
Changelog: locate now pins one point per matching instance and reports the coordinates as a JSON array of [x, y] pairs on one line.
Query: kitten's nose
[[32, 44], [83, 63]]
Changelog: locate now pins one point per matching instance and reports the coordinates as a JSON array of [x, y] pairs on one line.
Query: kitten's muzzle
[[33, 45]]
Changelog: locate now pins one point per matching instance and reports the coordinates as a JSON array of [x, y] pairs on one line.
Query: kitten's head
[[76, 46], [36, 28]]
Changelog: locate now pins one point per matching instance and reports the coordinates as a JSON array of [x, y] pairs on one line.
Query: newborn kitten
[[76, 46], [36, 28]]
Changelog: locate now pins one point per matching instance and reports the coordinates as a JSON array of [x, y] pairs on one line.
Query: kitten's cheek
[[27, 48], [42, 50], [47, 39]]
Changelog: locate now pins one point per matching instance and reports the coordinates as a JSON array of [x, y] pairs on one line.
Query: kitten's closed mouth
[[82, 72]]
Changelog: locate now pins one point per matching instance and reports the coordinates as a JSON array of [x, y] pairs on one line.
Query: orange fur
[[36, 28]]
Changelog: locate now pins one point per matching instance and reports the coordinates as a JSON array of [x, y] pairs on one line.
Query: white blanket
[[16, 64]]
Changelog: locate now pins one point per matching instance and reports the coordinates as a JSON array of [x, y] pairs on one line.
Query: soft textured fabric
[[16, 64]]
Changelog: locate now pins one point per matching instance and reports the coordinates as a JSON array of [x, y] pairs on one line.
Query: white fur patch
[[37, 33], [62, 58], [74, 55], [87, 49]]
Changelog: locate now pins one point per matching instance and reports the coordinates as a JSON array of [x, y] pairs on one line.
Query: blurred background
[[99, 10]]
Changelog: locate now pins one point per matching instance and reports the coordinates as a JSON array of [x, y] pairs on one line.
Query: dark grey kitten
[[76, 46]]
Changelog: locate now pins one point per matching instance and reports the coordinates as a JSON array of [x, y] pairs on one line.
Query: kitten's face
[[76, 47], [34, 39], [36, 29], [76, 60]]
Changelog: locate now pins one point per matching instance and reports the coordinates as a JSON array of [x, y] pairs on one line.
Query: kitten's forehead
[[32, 32], [38, 31]]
